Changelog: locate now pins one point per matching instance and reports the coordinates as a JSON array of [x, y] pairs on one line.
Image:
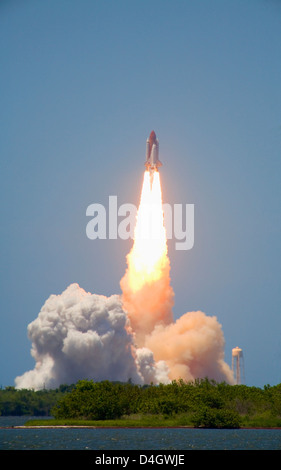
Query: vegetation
[[202, 403], [131, 421], [15, 402]]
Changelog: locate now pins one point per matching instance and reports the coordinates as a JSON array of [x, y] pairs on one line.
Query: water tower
[[238, 365]]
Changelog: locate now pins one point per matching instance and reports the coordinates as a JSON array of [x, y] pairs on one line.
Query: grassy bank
[[147, 421], [264, 420], [131, 421]]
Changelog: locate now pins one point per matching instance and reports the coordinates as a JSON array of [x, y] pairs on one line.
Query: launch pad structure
[[238, 367]]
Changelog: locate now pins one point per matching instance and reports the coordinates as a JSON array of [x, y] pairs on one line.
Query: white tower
[[238, 365]]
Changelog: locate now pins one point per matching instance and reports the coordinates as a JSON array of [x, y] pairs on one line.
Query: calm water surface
[[134, 439]]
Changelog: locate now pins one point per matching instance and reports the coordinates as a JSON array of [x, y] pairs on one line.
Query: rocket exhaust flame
[[192, 346], [78, 335], [149, 254], [147, 294]]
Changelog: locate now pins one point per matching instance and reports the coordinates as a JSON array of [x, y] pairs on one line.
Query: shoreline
[[129, 427]]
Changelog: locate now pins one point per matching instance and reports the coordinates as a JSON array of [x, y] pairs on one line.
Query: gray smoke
[[79, 335]]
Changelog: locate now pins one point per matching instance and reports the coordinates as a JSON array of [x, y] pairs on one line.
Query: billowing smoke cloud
[[78, 335], [192, 347]]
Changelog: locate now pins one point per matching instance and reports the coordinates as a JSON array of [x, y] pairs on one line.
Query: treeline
[[205, 403], [20, 402]]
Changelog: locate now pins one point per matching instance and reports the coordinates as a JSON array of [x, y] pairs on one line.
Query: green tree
[[216, 418]]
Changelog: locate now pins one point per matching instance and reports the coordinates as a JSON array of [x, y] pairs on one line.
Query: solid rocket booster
[[152, 153]]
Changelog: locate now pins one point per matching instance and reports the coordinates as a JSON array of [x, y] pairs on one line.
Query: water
[[134, 439]]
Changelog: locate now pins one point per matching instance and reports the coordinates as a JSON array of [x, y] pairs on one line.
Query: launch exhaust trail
[[147, 294], [79, 335]]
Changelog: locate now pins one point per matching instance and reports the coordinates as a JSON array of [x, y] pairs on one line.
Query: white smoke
[[151, 371], [79, 335]]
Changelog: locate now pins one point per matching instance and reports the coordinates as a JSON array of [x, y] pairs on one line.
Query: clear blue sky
[[82, 85]]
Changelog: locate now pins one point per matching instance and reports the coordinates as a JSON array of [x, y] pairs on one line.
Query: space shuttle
[[152, 162]]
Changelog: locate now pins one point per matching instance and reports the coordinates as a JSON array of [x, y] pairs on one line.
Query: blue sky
[[82, 85]]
